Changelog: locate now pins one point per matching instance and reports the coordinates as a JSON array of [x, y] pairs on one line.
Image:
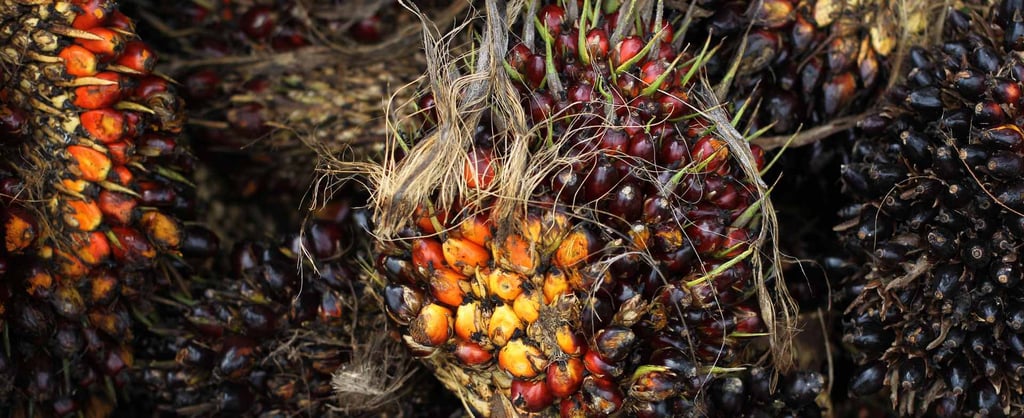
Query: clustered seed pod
[[936, 224], [625, 285]]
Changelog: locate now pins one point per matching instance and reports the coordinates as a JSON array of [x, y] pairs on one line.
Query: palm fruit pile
[[96, 191], [269, 83], [257, 337], [937, 225], [593, 250]]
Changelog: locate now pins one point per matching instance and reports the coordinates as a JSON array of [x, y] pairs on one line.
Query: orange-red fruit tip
[[565, 377], [78, 61], [464, 255], [83, 215], [446, 285], [92, 165], [479, 169], [130, 246], [521, 360], [162, 230], [137, 56], [109, 44], [92, 13], [433, 326], [92, 248], [117, 207], [103, 125], [19, 230], [97, 96]]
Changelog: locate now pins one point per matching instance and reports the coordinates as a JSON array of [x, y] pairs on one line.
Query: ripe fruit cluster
[[626, 282], [95, 190], [938, 225]]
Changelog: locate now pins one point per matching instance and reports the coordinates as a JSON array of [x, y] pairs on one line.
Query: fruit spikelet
[[93, 159], [936, 224], [568, 231]]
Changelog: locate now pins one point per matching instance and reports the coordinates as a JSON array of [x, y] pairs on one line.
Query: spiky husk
[[937, 224]]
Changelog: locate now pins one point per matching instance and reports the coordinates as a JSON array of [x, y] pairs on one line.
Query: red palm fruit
[[565, 377], [531, 396]]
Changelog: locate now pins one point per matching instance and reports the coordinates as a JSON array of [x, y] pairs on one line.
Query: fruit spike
[[96, 191], [614, 272], [935, 226]]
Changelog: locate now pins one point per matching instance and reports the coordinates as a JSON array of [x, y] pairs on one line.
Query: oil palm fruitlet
[[95, 198], [937, 224], [566, 231]]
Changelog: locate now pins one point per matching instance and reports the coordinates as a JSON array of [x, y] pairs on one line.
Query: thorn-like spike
[[88, 81], [126, 105], [74, 33]]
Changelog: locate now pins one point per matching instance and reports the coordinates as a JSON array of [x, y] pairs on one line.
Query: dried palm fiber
[[574, 219], [935, 223], [96, 201], [269, 83]]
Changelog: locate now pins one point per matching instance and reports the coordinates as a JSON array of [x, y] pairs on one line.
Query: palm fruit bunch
[[564, 233], [261, 338], [270, 83], [802, 71], [937, 223], [96, 194], [802, 64]]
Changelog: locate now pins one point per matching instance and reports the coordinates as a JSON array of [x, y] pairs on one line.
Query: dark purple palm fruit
[[588, 250], [936, 224]]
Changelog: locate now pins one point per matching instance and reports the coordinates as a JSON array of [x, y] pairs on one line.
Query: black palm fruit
[[936, 223]]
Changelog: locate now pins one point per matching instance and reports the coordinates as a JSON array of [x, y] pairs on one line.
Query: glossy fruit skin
[[967, 282]]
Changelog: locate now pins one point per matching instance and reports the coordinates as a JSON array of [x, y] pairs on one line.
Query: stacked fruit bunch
[[592, 251], [95, 190], [270, 83], [269, 341], [938, 224]]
